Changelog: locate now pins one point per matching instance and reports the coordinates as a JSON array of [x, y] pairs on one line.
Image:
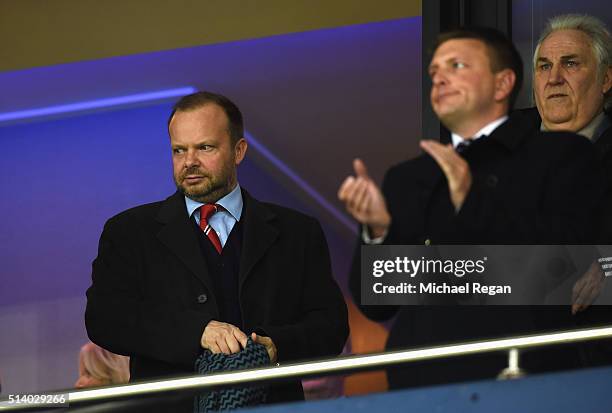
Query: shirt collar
[[232, 203], [595, 127], [593, 130], [487, 130]]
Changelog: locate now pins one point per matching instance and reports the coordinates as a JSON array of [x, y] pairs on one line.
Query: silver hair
[[598, 33]]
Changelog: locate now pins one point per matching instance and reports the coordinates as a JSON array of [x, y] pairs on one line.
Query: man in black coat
[[572, 66], [511, 185], [210, 266], [572, 72]]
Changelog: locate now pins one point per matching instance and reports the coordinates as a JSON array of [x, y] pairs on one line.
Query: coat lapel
[[259, 234], [178, 235], [508, 134], [519, 126], [430, 179]]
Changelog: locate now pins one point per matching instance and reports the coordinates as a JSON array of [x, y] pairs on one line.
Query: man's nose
[[438, 78], [556, 75], [191, 158]]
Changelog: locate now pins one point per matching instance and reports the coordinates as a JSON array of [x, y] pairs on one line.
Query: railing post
[[513, 371]]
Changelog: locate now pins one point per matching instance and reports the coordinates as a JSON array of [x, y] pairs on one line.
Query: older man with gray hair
[[572, 85], [573, 76]]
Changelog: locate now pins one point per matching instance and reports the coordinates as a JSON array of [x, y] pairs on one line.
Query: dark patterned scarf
[[253, 355]]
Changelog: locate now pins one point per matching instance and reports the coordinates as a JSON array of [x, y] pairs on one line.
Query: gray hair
[[598, 33]]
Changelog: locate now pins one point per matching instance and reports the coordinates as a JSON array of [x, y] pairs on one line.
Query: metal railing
[[341, 365]]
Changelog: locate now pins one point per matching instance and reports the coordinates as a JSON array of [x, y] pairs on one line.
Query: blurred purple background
[[315, 100]]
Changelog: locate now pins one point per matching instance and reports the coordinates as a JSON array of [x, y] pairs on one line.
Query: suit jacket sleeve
[[374, 312], [321, 329], [120, 319]]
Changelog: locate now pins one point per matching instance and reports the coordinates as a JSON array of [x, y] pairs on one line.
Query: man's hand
[[587, 288], [268, 344], [455, 168], [224, 338], [364, 200]]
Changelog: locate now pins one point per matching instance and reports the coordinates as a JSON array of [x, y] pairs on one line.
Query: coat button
[[492, 181], [202, 298], [427, 241]]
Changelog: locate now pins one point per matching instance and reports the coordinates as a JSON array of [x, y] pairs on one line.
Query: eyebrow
[[566, 57], [208, 141]]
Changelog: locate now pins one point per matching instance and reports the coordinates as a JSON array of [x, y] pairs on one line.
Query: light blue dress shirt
[[221, 222]]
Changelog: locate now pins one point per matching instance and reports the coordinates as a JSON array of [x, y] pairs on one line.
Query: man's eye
[[458, 65], [544, 66], [177, 151], [571, 63], [205, 148]]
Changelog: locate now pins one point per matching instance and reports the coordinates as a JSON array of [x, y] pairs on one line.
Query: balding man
[[211, 269]]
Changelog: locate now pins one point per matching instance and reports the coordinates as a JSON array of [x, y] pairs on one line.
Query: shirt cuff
[[365, 236]]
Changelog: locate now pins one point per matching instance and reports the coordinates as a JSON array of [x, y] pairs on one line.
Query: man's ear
[[240, 150], [607, 80], [504, 83]]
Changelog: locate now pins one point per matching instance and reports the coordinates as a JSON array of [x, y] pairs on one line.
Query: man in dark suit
[[500, 182], [211, 266], [572, 67], [572, 86]]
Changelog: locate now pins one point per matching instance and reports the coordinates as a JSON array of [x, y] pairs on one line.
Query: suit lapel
[[178, 235], [259, 234], [519, 126], [432, 177], [509, 134]]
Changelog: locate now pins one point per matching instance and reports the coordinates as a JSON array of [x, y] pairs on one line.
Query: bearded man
[[210, 268]]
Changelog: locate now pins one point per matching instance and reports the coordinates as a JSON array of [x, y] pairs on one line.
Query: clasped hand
[[587, 288], [219, 337], [366, 203], [364, 200], [455, 168]]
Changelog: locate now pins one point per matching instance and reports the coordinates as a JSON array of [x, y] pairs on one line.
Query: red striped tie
[[206, 211]]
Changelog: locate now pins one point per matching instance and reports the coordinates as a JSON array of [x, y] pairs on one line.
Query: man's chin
[[557, 116], [205, 195], [450, 119], [447, 110]]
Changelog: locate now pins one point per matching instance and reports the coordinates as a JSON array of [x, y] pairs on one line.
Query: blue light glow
[[149, 97], [106, 103], [300, 182]]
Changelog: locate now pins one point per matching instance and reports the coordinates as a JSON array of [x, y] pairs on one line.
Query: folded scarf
[[253, 355]]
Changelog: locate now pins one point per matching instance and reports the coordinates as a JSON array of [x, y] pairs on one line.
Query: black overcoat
[[528, 188], [151, 295]]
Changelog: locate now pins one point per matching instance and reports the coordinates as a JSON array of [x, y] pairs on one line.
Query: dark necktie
[[206, 211], [463, 145]]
